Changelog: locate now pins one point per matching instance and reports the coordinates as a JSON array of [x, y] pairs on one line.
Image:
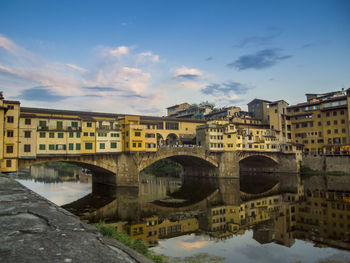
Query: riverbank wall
[[32, 229], [327, 163]]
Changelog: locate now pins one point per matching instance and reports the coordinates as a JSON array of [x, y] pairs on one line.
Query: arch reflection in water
[[279, 211]]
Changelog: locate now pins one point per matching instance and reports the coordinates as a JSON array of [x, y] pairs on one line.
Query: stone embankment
[[327, 163], [32, 229]]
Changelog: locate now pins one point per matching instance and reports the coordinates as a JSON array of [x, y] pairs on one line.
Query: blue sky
[[143, 56]]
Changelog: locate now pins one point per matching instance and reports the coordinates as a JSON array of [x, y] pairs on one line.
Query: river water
[[260, 218]]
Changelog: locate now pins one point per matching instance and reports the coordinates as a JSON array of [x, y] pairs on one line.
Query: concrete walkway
[[32, 229]]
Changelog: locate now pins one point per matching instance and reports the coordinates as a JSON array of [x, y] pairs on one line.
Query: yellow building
[[10, 136], [324, 216], [132, 133], [321, 124], [108, 136]]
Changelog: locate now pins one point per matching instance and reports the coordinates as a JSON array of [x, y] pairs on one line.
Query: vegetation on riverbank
[[138, 245], [164, 168]]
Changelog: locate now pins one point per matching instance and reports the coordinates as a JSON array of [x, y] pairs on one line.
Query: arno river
[[260, 218]]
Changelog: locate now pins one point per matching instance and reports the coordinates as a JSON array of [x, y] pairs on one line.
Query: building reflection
[[281, 214]]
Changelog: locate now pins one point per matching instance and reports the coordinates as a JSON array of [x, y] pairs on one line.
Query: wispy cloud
[[259, 40], [148, 56], [100, 88], [119, 51], [209, 58], [110, 85], [226, 89], [77, 68], [260, 60], [226, 93], [40, 94], [187, 73]]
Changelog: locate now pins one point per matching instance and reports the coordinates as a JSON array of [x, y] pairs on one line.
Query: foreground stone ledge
[[33, 229]]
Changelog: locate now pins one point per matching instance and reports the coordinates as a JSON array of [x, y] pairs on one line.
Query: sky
[[140, 57]]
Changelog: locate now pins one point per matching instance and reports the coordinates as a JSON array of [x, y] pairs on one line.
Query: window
[[92, 134], [140, 145], [42, 134], [10, 119], [102, 146], [42, 147], [9, 134], [78, 134], [51, 147], [9, 149], [88, 146], [27, 134], [59, 125], [88, 124], [60, 147], [74, 124], [27, 121], [328, 123], [86, 134], [335, 122], [134, 144], [60, 135], [171, 126], [42, 123], [113, 145], [71, 146], [335, 130], [27, 148], [10, 107], [77, 146], [334, 113], [71, 134], [319, 123], [342, 112], [8, 163], [328, 131], [137, 134]]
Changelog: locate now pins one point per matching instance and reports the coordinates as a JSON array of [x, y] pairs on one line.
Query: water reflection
[[58, 182], [163, 208], [270, 217]]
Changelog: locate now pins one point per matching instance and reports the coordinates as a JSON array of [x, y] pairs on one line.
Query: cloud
[[40, 93], [260, 60], [209, 58], [148, 56], [187, 73], [109, 85], [77, 68], [226, 89], [226, 93], [259, 40], [119, 51], [101, 88]]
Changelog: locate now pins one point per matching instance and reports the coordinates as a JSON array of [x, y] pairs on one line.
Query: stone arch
[[160, 140], [258, 163], [172, 139], [103, 169], [184, 157]]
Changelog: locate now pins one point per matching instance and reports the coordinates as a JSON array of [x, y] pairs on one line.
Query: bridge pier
[[127, 173]]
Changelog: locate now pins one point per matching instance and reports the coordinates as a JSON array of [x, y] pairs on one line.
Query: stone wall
[[328, 163]]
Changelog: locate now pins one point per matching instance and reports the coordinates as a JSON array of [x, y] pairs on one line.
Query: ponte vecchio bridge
[[123, 168]]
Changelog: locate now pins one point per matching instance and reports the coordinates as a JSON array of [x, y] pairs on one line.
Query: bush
[[139, 245]]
